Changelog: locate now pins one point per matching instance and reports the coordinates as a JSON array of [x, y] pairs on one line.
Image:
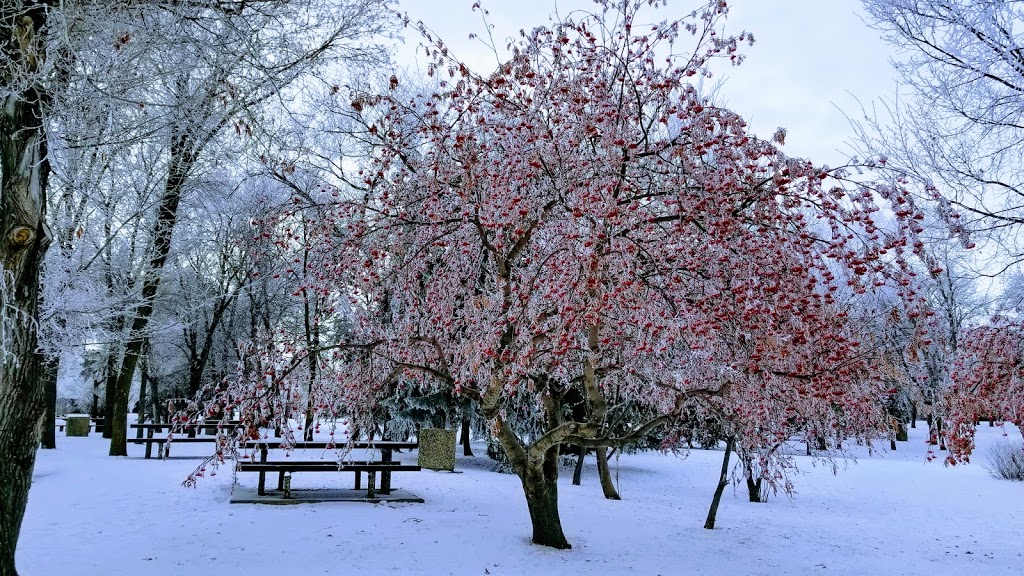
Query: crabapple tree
[[988, 381], [584, 219]]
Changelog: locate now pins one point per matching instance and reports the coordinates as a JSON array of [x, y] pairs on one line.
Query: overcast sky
[[810, 56]]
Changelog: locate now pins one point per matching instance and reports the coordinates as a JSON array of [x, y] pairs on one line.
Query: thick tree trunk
[[723, 481], [607, 486], [539, 478], [51, 367], [24, 170], [913, 415], [542, 499]]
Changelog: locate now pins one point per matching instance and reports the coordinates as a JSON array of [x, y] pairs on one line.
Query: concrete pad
[[244, 495]]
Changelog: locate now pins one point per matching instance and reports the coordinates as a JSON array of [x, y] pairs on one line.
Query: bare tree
[[959, 126], [210, 65]]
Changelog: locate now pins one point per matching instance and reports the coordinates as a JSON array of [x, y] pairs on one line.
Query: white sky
[[810, 56]]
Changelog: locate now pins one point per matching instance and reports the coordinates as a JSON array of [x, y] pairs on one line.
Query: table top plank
[[300, 467], [277, 444]]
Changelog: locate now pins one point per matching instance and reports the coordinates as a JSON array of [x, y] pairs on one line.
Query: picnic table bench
[[386, 465], [151, 427]]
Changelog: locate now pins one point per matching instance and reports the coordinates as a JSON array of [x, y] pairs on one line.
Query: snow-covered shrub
[[1006, 461]]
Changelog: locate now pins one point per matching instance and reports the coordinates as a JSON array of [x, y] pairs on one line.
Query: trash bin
[[77, 424], [437, 448]]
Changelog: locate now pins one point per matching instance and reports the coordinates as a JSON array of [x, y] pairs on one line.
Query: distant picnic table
[[96, 423], [385, 465], [181, 433]]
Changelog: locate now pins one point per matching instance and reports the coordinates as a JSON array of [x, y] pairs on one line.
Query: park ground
[[887, 513]]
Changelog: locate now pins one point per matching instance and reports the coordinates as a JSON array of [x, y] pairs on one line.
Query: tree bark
[[143, 382], [109, 393], [154, 390], [24, 171], [541, 489], [467, 449], [607, 486], [901, 432], [51, 367], [577, 473], [754, 489], [723, 481]]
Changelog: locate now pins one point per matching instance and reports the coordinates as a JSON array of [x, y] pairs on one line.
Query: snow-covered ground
[[887, 514]]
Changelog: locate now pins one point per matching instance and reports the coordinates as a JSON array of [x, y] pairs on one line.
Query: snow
[[889, 513]]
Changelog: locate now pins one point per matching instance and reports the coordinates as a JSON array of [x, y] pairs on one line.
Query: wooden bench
[[385, 465]]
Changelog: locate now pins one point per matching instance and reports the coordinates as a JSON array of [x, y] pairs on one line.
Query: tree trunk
[[24, 171], [109, 393], [143, 383], [51, 367], [754, 489], [913, 415], [723, 481], [467, 450], [607, 486], [577, 473], [542, 499], [154, 390], [942, 437], [307, 432], [901, 432]]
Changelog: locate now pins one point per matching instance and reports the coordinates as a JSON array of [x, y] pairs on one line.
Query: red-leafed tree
[[584, 220], [988, 382]]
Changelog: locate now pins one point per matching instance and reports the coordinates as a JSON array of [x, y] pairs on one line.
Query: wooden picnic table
[[151, 427], [385, 465]]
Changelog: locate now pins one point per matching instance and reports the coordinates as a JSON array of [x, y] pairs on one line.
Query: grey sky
[[809, 56]]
